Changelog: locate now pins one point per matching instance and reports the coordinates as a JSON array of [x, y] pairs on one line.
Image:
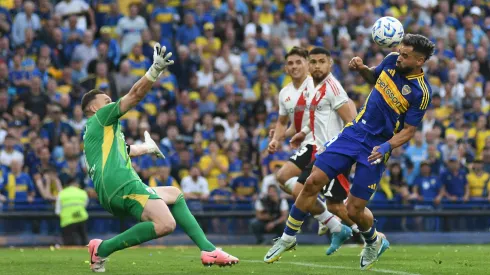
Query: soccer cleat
[[96, 262], [280, 246], [322, 229], [218, 257], [338, 238], [371, 252]]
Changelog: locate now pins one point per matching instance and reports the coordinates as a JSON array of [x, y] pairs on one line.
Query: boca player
[[400, 91]]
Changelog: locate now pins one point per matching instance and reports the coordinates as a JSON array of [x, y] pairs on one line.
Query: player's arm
[[290, 131], [397, 140], [413, 117], [279, 133], [143, 86], [367, 73], [148, 147], [346, 113]]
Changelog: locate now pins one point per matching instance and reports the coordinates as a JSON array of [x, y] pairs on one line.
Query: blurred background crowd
[[212, 111]]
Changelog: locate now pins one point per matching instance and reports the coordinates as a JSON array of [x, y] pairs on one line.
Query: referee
[[70, 206]]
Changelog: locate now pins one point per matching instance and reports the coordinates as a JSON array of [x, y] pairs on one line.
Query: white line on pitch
[[388, 271]]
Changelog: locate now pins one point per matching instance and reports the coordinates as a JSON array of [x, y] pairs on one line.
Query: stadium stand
[[212, 111]]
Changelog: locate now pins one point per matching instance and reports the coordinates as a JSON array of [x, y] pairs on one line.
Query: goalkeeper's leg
[[184, 218]]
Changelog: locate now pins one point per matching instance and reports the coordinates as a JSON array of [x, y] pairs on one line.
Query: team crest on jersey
[[406, 90]]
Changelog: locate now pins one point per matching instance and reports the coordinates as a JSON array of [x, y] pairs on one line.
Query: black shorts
[[303, 156], [337, 189]]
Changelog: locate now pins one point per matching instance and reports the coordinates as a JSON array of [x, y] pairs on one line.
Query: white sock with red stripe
[[328, 219]]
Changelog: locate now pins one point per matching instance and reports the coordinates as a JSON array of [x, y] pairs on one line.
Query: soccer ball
[[387, 32]]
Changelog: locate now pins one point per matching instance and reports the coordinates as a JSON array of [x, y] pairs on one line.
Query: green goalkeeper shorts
[[130, 200]]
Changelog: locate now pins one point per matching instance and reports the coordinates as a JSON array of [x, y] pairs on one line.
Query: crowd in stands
[[212, 110]]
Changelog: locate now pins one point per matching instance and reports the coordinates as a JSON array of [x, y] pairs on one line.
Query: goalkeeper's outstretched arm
[[139, 90]]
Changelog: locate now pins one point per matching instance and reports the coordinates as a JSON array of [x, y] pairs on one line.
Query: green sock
[[184, 218], [139, 233]]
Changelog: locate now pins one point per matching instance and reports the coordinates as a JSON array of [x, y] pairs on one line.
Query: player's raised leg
[[178, 207]]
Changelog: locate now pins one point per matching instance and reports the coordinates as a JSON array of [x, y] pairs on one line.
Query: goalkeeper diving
[[118, 186]]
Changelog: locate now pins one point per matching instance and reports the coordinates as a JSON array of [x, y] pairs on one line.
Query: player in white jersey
[[328, 108], [293, 107]]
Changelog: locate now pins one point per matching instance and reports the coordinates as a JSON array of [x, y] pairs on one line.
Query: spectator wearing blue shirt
[[25, 20], [114, 51], [5, 22], [246, 186], [166, 17], [222, 194], [469, 26], [57, 129], [188, 32], [17, 185], [417, 152], [454, 181], [292, 8], [427, 186]]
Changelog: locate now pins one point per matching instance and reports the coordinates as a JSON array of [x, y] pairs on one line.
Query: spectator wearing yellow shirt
[[266, 12], [478, 180], [213, 165], [399, 9], [264, 82], [139, 63], [479, 134], [457, 129], [442, 112], [360, 86], [209, 46]]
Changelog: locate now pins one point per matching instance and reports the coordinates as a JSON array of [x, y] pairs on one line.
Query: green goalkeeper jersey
[[108, 161]]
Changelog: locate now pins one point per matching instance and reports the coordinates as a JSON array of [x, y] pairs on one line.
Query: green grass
[[401, 260]]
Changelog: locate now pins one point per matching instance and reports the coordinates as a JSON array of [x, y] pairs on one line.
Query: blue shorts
[[340, 153]]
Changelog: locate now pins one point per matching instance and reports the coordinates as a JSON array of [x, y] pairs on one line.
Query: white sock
[[354, 228], [328, 219], [289, 184], [287, 237]]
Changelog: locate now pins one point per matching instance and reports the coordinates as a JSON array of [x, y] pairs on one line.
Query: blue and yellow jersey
[[235, 169], [245, 186], [156, 182], [220, 195], [139, 65], [17, 188], [393, 96], [165, 17]]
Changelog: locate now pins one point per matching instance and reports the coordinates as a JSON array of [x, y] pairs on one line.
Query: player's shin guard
[[295, 220]]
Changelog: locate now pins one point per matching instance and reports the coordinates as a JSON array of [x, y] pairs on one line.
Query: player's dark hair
[[420, 44], [320, 50], [88, 97], [297, 51]]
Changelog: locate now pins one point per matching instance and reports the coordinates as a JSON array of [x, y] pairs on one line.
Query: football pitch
[[400, 260]]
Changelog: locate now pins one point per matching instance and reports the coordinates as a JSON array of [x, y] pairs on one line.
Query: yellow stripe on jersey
[[410, 77], [392, 96], [361, 113], [425, 91], [107, 144]]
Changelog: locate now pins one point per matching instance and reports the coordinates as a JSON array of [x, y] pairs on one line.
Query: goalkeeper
[[119, 188]]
